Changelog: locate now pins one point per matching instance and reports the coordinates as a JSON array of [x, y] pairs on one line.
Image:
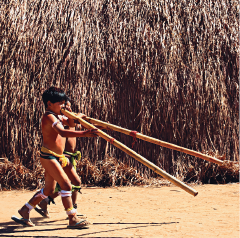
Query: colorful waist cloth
[[74, 156], [77, 155], [48, 154]]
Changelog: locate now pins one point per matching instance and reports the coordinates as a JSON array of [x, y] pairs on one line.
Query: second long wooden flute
[[132, 153], [153, 140]]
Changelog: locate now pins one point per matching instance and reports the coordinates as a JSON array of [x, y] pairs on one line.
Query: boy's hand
[[67, 107], [81, 115], [91, 133]]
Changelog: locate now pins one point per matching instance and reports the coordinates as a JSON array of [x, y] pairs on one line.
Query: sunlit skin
[[54, 139], [70, 146]]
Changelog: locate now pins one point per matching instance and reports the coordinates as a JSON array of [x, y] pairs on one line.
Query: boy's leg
[[74, 198], [69, 170], [42, 208], [57, 173], [37, 197], [25, 210], [47, 201], [73, 176]]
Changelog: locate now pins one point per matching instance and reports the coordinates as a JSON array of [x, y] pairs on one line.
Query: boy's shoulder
[[49, 117]]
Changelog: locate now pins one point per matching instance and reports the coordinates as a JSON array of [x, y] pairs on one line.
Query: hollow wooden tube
[[132, 153], [155, 141]]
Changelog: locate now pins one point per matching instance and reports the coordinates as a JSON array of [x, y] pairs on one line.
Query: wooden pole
[[132, 153], [153, 140]]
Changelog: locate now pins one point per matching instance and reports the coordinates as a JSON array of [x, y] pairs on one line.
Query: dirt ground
[[165, 211]]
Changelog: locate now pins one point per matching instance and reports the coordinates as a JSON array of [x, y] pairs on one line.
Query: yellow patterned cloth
[[62, 159]]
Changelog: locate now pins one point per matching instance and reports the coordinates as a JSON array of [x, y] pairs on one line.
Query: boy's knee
[[48, 192], [66, 186], [77, 183], [41, 193]]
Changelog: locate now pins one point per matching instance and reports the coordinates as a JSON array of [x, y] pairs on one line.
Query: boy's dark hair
[[68, 100], [53, 94]]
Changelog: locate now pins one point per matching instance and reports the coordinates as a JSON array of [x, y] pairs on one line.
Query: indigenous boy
[[71, 153], [53, 160]]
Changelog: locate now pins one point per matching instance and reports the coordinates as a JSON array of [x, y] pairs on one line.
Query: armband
[[55, 123]]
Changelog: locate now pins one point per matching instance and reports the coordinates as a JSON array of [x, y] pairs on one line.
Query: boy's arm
[[58, 127], [68, 121], [72, 122]]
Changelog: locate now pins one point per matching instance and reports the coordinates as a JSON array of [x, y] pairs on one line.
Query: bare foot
[[24, 212]]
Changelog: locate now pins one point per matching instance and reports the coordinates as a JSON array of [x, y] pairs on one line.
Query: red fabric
[[133, 134], [111, 140]]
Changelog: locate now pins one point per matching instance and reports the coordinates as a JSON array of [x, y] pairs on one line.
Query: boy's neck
[[49, 111]]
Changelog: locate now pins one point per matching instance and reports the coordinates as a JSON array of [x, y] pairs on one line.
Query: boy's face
[[56, 107], [68, 106]]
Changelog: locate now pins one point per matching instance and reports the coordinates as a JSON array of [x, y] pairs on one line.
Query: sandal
[[79, 225], [22, 221]]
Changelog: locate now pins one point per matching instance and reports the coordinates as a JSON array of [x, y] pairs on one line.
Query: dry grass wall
[[168, 69]]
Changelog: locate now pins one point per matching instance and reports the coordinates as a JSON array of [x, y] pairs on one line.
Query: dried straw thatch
[[168, 69], [108, 172], [104, 174], [211, 173], [14, 176]]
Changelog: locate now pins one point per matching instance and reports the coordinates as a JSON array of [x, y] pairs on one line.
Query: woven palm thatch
[[104, 174], [109, 172], [168, 69], [16, 176]]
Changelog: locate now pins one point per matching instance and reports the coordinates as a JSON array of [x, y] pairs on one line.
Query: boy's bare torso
[[70, 145], [51, 139]]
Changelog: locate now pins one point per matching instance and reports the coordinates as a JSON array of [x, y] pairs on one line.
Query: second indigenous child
[[53, 160]]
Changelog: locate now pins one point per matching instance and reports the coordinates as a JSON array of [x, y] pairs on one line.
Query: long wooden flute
[[153, 140], [132, 153]]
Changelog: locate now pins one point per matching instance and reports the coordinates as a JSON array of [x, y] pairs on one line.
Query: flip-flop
[[42, 212], [22, 221], [81, 224]]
